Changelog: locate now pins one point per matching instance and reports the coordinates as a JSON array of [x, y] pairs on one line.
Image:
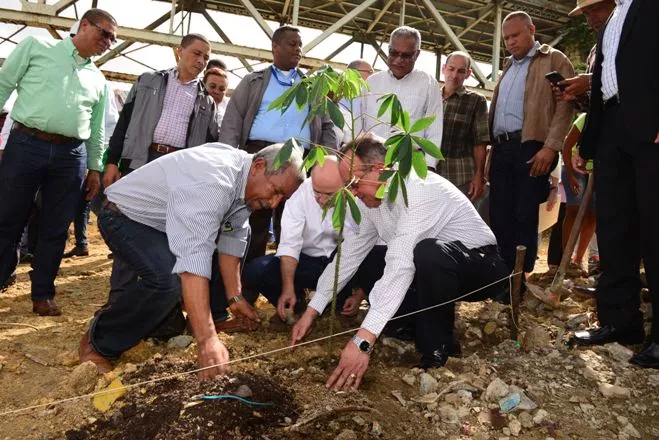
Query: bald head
[[361, 66], [326, 180]]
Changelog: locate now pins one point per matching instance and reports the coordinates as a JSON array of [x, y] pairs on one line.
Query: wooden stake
[[516, 295]]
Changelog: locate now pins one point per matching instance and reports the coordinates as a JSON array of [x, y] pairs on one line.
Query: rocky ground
[[538, 388]]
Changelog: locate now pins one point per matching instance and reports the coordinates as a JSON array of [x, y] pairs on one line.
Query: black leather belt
[[509, 136], [111, 206], [612, 102]]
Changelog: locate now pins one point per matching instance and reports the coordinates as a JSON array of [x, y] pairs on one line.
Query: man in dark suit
[[622, 135]]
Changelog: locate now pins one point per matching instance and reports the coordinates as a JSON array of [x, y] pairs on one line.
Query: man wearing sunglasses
[[417, 91], [60, 105]]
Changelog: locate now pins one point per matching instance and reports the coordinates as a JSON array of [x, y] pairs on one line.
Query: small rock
[[534, 338], [83, 378], [515, 427], [288, 420], [586, 407], [180, 341], [130, 368], [540, 416], [346, 434], [376, 429], [574, 321], [427, 383], [622, 420], [465, 396], [526, 419], [609, 390], [589, 373], [243, 391], [619, 352], [476, 332], [448, 414], [409, 379], [496, 390], [359, 420], [653, 380], [399, 396], [490, 328], [506, 431], [630, 431], [68, 358], [297, 372]]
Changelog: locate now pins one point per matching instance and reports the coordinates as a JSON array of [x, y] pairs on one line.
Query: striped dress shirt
[[196, 196], [419, 94], [172, 128], [437, 209], [610, 48]]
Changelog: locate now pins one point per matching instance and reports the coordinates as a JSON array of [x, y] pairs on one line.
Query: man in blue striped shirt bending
[[166, 219]]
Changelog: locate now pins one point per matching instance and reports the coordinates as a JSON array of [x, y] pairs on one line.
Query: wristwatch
[[363, 345], [235, 299]]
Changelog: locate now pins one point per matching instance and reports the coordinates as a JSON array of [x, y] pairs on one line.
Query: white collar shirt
[[437, 209], [610, 43]]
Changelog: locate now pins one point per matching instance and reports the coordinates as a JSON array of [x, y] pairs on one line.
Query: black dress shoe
[[648, 358], [77, 251], [438, 357], [609, 333]]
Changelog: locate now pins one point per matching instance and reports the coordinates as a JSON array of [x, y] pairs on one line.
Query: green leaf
[[335, 114], [301, 97], [419, 163], [284, 154], [393, 189], [284, 100], [396, 111], [393, 139], [386, 175], [387, 100], [403, 189], [404, 122], [392, 154], [428, 147], [339, 215], [422, 124], [354, 209], [311, 159], [405, 166], [320, 155], [380, 192]]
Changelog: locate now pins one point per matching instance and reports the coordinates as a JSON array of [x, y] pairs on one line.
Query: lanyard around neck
[[286, 82]]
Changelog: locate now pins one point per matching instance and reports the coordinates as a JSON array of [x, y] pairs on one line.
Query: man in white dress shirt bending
[[439, 242], [306, 247]]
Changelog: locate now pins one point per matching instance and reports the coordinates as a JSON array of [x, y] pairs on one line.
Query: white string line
[[233, 361]]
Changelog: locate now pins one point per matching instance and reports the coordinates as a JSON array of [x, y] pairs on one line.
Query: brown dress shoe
[[45, 307], [87, 353]]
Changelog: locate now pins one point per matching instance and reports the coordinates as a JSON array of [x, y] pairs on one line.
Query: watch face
[[364, 346]]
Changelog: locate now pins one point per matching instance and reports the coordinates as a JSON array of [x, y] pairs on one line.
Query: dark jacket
[[637, 68], [244, 105], [141, 113]]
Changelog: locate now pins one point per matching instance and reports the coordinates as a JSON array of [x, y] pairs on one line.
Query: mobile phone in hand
[[554, 78]]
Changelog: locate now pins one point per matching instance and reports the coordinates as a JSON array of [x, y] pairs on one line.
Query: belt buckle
[[161, 149]]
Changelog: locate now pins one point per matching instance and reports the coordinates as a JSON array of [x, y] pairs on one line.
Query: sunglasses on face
[[107, 35], [403, 55]]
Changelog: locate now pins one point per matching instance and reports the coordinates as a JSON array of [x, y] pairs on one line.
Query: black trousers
[[445, 271], [514, 199], [627, 213]]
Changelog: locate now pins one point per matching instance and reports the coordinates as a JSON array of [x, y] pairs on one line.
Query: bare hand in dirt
[[286, 303], [352, 304], [243, 309], [541, 162], [212, 352], [110, 175], [348, 374], [302, 327], [92, 184]]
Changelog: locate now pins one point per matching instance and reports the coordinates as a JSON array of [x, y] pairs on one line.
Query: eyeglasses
[[107, 35], [404, 55], [321, 194]]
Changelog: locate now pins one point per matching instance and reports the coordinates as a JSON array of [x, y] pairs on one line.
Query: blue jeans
[[81, 219], [27, 164], [137, 309]]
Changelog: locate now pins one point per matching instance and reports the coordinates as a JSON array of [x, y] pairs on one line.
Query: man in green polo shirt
[[60, 105]]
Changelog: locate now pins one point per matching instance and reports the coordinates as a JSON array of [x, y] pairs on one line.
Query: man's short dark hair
[[216, 63], [191, 38], [94, 15], [368, 147], [279, 33]]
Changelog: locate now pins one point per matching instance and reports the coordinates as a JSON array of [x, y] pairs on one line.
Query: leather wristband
[[235, 299]]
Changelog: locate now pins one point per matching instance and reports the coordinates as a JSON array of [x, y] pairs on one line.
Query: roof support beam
[[401, 21], [340, 49], [338, 25], [43, 8], [116, 51], [153, 37], [496, 42], [296, 12], [224, 37], [478, 73], [379, 16], [256, 15]]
